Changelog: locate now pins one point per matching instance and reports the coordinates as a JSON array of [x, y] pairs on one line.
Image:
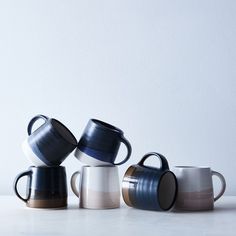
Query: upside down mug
[[195, 188], [46, 187], [98, 187]]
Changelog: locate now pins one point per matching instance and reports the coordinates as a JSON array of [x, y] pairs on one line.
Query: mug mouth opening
[[107, 126], [63, 131], [167, 190]]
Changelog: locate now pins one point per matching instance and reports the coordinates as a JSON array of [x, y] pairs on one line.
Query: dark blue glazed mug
[[100, 144], [150, 188], [46, 187], [49, 144]]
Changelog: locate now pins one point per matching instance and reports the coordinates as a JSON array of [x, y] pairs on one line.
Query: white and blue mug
[[49, 144], [100, 144]]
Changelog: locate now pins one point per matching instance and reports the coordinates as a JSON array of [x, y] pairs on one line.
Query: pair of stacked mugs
[[46, 147], [187, 188], [49, 145], [99, 186]]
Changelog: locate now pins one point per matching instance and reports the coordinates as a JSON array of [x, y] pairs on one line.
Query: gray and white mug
[[195, 188]]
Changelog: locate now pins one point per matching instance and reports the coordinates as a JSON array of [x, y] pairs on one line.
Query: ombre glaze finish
[[46, 187], [99, 187], [51, 143], [101, 141], [149, 188], [195, 192]]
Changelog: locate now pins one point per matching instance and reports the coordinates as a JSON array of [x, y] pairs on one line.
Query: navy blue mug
[[149, 188], [49, 144], [46, 187], [100, 143]]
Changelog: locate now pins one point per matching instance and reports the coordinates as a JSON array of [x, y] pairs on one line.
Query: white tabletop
[[17, 219]]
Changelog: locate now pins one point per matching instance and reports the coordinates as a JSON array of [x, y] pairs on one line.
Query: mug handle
[[16, 182], [223, 183], [129, 150], [33, 120], [73, 183], [164, 162]]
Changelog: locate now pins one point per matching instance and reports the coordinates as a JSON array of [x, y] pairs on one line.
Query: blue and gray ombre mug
[[150, 188]]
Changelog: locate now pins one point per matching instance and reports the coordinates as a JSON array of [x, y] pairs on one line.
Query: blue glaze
[[102, 141], [48, 144]]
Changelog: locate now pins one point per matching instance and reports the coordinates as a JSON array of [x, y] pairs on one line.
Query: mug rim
[[192, 167], [106, 125]]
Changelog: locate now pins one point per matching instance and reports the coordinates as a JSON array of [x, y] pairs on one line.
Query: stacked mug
[[97, 150], [46, 148], [186, 188]]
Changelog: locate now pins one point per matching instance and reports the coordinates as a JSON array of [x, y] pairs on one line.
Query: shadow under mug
[[100, 143], [49, 144], [99, 187], [149, 188], [195, 188], [46, 187]]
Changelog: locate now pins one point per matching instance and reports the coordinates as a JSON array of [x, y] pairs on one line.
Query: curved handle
[[164, 162], [222, 179], [33, 120], [16, 182], [129, 150], [73, 183]]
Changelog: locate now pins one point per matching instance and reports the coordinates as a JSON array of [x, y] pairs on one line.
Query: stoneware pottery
[[150, 188], [100, 143], [98, 187], [49, 144], [46, 187], [195, 192]]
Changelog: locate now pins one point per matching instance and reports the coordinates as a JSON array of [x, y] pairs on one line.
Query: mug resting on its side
[[46, 187], [100, 143], [195, 188], [49, 144], [99, 187], [149, 188]]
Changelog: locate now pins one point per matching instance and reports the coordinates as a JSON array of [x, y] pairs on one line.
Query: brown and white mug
[[195, 188], [98, 187]]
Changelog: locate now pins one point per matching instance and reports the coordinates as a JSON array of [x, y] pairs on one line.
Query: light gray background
[[163, 71]]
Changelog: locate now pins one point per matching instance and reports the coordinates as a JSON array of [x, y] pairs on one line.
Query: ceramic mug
[[46, 187], [98, 188], [49, 144], [149, 188], [100, 143], [195, 188]]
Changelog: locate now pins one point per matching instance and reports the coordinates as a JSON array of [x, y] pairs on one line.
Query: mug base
[[100, 207], [47, 203]]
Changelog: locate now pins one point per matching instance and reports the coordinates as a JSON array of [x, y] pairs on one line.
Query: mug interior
[[106, 125], [64, 131], [167, 190]]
